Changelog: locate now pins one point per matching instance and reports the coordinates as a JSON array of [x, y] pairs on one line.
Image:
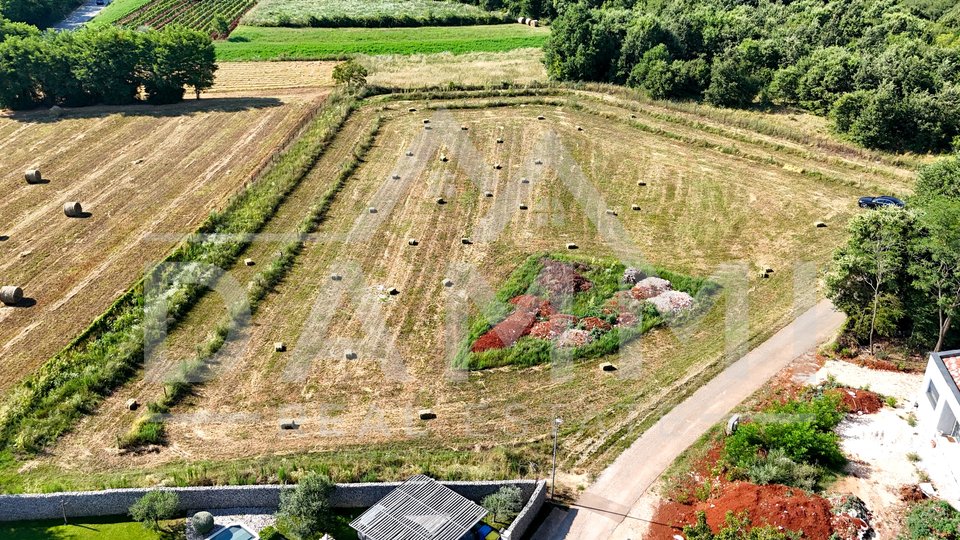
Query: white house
[[938, 406]]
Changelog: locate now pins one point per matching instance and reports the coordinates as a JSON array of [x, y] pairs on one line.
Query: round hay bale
[[538, 161], [541, 117], [426, 414], [498, 166], [413, 242], [499, 140], [488, 194], [523, 206], [767, 269], [524, 180], [641, 183], [279, 346], [393, 291], [819, 224], [607, 366], [464, 128], [289, 423], [579, 128], [444, 158], [412, 109], [72, 209], [11, 295], [33, 176], [132, 404], [427, 127], [522, 20], [396, 177], [448, 282], [763, 275], [372, 210], [466, 241], [409, 153], [635, 207], [249, 262], [633, 116], [534, 23], [441, 200], [350, 354], [426, 120], [571, 245], [611, 212], [336, 277]]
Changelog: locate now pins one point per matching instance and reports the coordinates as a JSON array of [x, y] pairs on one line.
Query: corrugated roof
[[420, 509]]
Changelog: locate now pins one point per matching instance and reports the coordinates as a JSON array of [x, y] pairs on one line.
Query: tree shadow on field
[[187, 107]]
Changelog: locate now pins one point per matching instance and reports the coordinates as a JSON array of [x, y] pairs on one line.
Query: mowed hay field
[[720, 201], [146, 175]]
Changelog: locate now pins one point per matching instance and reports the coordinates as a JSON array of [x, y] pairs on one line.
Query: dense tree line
[[40, 13], [899, 274], [886, 71], [543, 10], [101, 65]]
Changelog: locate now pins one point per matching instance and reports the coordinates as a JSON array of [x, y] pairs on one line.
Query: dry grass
[[147, 175], [250, 77], [713, 198], [521, 66]]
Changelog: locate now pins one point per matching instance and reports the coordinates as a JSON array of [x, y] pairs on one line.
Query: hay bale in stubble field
[[448, 282], [641, 183], [396, 177], [538, 161], [522, 20], [11, 295], [426, 414], [524, 180], [819, 224], [279, 346], [579, 128], [33, 176], [336, 277], [289, 423], [611, 212], [498, 166], [499, 140], [72, 209], [444, 158], [541, 117], [409, 153], [523, 206], [607, 366], [635, 207], [132, 404], [412, 109], [350, 354], [466, 241], [488, 194], [413, 242], [248, 262], [464, 128], [372, 210], [571, 245], [441, 200]]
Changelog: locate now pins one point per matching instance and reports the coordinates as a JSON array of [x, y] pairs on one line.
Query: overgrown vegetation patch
[[559, 306]]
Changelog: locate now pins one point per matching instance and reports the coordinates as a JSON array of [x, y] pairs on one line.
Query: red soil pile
[[562, 279], [873, 363], [595, 323], [515, 326], [626, 319], [775, 505], [860, 401], [912, 493]]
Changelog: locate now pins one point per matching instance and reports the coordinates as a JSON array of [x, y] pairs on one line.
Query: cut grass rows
[[110, 351], [148, 429], [248, 43]]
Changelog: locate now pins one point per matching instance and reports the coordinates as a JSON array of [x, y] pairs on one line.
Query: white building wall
[[940, 457]]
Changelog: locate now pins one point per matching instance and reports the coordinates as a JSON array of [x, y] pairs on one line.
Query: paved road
[[88, 10], [599, 513]]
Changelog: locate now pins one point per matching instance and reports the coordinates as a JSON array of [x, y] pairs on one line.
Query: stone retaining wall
[[112, 502]]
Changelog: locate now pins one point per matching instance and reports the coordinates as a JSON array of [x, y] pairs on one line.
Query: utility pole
[[556, 435]]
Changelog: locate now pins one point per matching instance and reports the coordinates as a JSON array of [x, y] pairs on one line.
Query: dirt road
[[606, 508]]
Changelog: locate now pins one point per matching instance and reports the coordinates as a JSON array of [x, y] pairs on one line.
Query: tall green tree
[[305, 510], [869, 270], [935, 262]]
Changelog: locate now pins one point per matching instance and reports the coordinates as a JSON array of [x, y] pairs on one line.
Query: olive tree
[[154, 507]]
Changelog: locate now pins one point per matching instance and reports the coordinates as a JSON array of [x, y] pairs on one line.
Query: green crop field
[[343, 13], [255, 43]]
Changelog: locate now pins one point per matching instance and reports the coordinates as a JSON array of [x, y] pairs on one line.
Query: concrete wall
[[519, 527], [935, 418], [113, 502]]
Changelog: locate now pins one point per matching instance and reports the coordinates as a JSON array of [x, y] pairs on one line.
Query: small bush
[[305, 510], [271, 533], [505, 504], [154, 507], [778, 468], [933, 519], [202, 522]]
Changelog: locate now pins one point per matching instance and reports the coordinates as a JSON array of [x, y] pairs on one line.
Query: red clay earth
[[775, 505], [515, 326], [860, 401], [594, 323], [554, 326]]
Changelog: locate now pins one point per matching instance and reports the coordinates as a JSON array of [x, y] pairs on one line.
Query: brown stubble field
[[147, 176], [715, 196]]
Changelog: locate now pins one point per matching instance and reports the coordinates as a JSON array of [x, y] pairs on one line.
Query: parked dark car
[[880, 202]]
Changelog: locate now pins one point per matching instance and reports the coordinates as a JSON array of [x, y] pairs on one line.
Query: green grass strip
[[248, 43]]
